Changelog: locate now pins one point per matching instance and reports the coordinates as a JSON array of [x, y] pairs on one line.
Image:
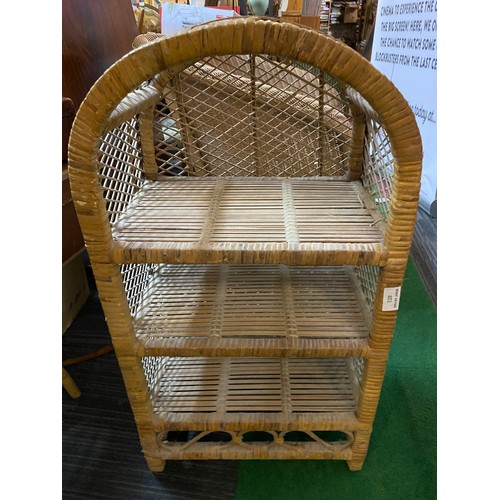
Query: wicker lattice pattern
[[170, 149], [152, 365], [368, 279], [120, 164], [378, 165], [136, 280], [358, 365], [250, 115]]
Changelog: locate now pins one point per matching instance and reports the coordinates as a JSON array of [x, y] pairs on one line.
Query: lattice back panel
[[246, 115], [137, 279], [368, 280], [120, 167], [367, 277], [378, 165], [153, 365]]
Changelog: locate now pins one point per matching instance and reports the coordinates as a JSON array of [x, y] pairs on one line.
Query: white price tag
[[391, 299]]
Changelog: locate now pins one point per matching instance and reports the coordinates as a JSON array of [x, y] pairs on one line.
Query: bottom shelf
[[236, 408]]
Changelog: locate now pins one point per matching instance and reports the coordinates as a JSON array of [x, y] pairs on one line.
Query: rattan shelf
[[248, 190], [229, 310], [311, 221], [244, 393], [240, 395]]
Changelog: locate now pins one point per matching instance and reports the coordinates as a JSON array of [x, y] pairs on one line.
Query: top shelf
[[249, 220]]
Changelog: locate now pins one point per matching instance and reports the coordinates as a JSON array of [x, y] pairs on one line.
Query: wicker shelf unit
[[247, 190]]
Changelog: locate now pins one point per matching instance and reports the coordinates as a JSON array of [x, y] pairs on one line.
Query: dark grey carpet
[[102, 457]]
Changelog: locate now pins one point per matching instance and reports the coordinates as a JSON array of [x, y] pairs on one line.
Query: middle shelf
[[243, 310]]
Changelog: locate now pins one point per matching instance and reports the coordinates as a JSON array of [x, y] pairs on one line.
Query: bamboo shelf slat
[[223, 310], [253, 394], [311, 221]]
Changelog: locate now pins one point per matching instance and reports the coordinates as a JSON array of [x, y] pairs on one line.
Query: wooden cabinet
[[95, 34]]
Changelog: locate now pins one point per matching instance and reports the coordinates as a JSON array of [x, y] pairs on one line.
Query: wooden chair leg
[[91, 355], [68, 382], [69, 385]]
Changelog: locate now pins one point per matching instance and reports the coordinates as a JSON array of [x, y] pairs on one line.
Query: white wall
[[405, 50]]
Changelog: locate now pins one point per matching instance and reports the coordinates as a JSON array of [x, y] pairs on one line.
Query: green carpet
[[401, 461]]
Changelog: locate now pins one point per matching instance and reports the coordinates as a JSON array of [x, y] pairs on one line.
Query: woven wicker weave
[[247, 190]]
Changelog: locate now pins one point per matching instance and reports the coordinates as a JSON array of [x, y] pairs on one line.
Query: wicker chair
[[247, 191]]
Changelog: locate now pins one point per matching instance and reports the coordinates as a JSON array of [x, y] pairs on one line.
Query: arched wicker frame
[[226, 37]]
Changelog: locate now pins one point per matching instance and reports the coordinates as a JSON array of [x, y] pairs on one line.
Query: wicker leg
[[155, 464], [359, 450], [371, 385], [355, 465], [69, 385]]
